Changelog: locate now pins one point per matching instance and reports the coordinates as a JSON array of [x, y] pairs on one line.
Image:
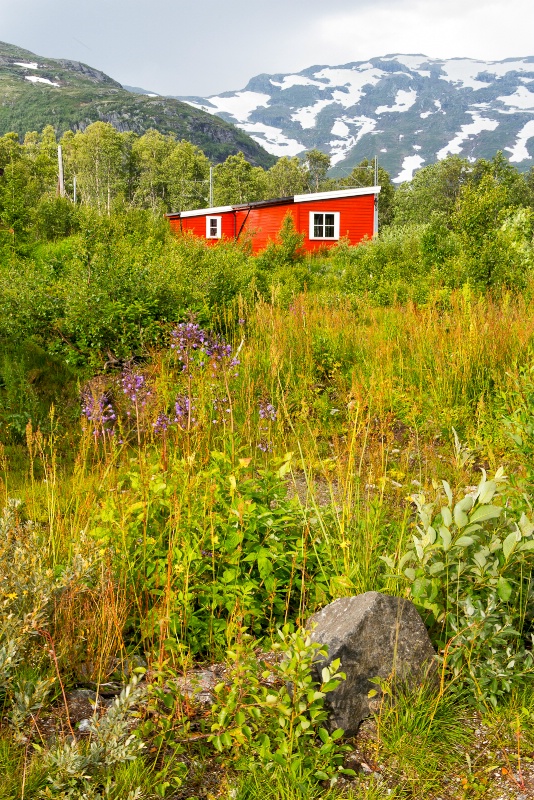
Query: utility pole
[[211, 186], [60, 165], [375, 223]]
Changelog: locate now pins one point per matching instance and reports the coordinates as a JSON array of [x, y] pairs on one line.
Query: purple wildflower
[[183, 409], [195, 346], [265, 446], [134, 387], [162, 423], [267, 411], [98, 410]]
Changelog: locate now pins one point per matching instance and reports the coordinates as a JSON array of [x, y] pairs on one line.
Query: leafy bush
[[217, 547], [470, 572], [275, 715]]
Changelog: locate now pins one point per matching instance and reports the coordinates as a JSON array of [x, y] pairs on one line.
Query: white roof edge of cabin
[[298, 198], [205, 212], [308, 198]]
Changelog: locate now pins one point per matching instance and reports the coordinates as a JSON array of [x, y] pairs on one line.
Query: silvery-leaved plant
[[29, 590], [78, 769], [469, 571]]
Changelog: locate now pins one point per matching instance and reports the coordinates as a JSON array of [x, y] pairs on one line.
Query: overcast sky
[[202, 47]]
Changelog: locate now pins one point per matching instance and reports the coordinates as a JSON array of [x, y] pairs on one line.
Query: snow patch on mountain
[[350, 83], [403, 101], [273, 139], [519, 151], [409, 165], [479, 124], [38, 79], [521, 100], [339, 148], [295, 80], [26, 64], [241, 104], [307, 117]]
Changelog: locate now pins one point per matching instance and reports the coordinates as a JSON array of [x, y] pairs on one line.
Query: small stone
[[84, 726]]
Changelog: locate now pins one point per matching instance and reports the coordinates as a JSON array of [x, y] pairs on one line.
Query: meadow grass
[[366, 400]]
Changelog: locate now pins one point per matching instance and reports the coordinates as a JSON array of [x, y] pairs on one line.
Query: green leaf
[[446, 537], [504, 589], [446, 516], [464, 541], [460, 517], [509, 544], [486, 491], [448, 491], [483, 513], [323, 735]]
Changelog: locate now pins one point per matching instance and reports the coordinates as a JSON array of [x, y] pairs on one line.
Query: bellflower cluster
[[267, 411], [265, 446], [134, 387], [98, 410], [162, 423], [193, 345], [183, 409]]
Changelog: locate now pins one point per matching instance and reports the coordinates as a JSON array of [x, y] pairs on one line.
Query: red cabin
[[324, 218]]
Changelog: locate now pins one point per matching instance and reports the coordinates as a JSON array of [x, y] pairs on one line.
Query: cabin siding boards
[[261, 222]]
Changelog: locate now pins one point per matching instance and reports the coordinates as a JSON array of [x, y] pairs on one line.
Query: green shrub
[[470, 572]]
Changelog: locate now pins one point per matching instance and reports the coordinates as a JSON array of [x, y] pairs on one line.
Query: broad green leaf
[[409, 556], [504, 589], [483, 513], [410, 573], [323, 735], [526, 526], [527, 545], [460, 517], [448, 491], [509, 544], [464, 541], [466, 503], [471, 528], [446, 516], [486, 492], [446, 537]]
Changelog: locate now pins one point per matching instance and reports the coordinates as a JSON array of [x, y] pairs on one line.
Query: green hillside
[[37, 91]]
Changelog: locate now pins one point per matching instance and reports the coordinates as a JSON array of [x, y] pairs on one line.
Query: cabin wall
[[197, 225], [262, 225], [356, 219]]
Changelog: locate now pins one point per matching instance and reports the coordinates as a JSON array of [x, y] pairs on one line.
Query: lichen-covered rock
[[375, 636]]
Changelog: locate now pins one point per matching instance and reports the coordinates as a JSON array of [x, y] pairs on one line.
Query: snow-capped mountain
[[409, 110]]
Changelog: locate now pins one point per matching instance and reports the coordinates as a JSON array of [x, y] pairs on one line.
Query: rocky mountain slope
[[409, 110], [36, 91]]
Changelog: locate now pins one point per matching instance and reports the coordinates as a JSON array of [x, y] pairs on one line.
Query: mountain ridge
[[36, 91], [409, 109]]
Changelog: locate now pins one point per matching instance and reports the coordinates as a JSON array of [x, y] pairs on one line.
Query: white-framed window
[[324, 225], [213, 227]]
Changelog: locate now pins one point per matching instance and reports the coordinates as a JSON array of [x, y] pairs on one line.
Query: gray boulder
[[375, 636]]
